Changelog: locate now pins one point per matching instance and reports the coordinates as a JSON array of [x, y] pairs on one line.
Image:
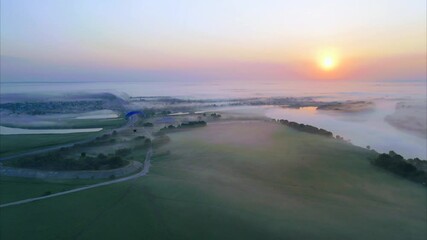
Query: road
[[143, 172]]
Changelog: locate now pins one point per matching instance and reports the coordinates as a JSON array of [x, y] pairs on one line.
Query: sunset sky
[[224, 39]]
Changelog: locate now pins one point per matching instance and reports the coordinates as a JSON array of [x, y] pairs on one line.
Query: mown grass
[[76, 123], [218, 185], [15, 189], [13, 144], [94, 123]]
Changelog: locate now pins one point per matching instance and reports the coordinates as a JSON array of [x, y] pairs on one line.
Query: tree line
[[56, 161], [186, 125], [412, 169], [306, 128]]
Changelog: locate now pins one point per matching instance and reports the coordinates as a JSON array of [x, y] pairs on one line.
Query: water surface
[[363, 129]]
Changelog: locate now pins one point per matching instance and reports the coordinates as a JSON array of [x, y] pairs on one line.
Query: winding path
[[143, 172]]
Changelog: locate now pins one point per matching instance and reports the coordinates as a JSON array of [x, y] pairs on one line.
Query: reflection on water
[[308, 110], [365, 128]]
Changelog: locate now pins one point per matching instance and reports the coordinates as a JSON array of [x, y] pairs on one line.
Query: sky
[[80, 40]]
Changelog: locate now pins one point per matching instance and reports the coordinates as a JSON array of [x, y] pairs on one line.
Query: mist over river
[[362, 128]]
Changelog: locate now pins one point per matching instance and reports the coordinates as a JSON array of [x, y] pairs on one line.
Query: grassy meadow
[[13, 144], [94, 123], [237, 180], [15, 189]]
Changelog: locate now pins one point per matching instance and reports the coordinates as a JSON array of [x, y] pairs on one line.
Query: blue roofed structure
[[131, 113]]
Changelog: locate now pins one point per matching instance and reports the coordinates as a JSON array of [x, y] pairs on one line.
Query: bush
[[147, 124], [115, 162], [193, 124], [139, 138], [123, 152], [47, 193], [101, 157]]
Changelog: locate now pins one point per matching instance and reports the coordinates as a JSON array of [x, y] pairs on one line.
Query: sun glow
[[328, 60], [328, 63]]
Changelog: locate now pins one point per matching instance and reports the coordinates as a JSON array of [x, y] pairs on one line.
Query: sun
[[328, 59], [328, 63]]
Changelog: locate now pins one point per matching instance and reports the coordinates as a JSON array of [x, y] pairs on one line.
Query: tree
[[368, 147]]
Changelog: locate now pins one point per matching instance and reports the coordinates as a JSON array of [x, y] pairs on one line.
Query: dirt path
[[143, 172]]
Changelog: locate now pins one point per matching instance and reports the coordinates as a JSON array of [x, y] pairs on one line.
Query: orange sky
[[368, 40]]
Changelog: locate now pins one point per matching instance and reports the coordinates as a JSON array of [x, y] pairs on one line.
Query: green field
[[94, 123], [75, 123], [240, 180], [14, 189], [13, 144]]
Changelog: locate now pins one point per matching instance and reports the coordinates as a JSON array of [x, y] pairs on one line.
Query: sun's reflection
[[308, 110]]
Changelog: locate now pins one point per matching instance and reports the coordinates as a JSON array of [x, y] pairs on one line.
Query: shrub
[[47, 193], [115, 162], [123, 152], [138, 138], [193, 124], [147, 124]]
